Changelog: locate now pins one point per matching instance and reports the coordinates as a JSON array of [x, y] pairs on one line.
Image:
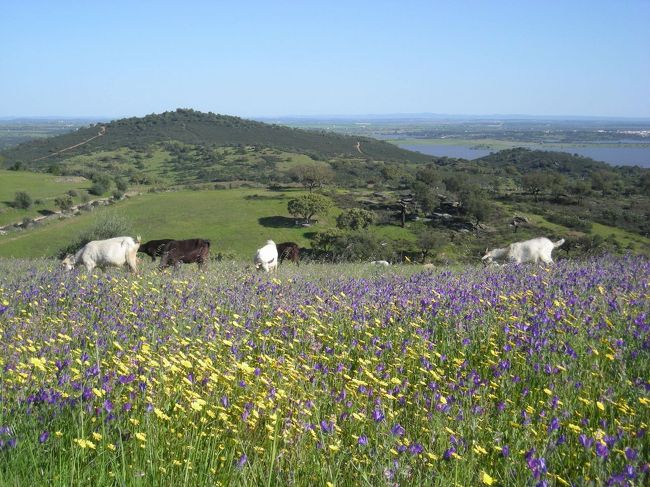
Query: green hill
[[193, 128]]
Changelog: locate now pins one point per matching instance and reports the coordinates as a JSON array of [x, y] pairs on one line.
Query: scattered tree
[[429, 240], [355, 219], [308, 205], [312, 175]]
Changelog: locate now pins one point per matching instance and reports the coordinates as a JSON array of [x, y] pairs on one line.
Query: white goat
[[384, 263], [532, 250], [266, 258], [111, 252]]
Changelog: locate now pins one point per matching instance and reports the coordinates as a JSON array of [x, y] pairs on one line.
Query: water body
[[616, 156]]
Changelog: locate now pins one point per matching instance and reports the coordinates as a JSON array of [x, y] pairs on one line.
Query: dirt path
[[358, 146], [101, 132]]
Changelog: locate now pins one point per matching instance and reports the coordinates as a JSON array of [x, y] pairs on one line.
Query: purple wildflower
[[585, 441], [326, 427], [378, 416], [43, 437], [602, 450], [416, 449], [398, 430], [242, 460]]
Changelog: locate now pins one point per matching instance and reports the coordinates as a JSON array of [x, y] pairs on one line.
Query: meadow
[[326, 375], [42, 187], [237, 221]]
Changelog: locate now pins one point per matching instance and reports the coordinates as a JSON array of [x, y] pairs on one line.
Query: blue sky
[[277, 58]]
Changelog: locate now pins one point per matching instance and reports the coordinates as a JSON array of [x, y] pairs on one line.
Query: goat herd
[[119, 251]]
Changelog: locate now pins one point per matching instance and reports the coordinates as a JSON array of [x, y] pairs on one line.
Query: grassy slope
[[39, 186], [226, 217]]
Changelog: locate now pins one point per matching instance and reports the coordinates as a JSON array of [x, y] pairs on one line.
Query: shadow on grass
[[277, 222]]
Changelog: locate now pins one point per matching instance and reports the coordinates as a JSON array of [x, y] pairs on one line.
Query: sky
[[314, 58]]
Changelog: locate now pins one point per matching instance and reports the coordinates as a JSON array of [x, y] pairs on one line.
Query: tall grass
[[319, 375]]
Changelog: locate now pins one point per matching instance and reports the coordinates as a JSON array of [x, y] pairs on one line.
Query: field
[[326, 375], [44, 187], [237, 222]]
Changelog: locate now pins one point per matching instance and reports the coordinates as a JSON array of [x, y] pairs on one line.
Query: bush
[[64, 203], [354, 219], [106, 226], [22, 200], [98, 189], [351, 247]]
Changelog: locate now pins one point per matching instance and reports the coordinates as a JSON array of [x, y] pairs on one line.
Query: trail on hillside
[[101, 132], [358, 146]]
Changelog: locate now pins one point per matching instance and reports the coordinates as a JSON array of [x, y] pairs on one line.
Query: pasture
[[236, 221], [326, 375], [44, 187]]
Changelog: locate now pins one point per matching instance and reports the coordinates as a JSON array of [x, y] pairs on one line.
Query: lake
[[616, 156]]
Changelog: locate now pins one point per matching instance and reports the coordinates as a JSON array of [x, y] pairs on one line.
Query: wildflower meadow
[[326, 375]]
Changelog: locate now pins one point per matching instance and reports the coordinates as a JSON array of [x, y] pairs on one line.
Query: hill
[[193, 128]]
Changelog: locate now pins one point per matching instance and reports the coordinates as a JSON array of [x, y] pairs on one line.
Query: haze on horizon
[[280, 59]]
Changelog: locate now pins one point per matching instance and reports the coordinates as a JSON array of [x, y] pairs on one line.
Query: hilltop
[[194, 128]]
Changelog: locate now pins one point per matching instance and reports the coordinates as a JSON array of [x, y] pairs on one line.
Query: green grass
[[230, 218], [41, 186]]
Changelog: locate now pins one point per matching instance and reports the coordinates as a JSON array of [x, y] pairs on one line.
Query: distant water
[[616, 156]]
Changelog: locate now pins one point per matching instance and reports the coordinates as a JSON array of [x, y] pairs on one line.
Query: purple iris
[[242, 460], [554, 425], [416, 449], [398, 430], [326, 427], [378, 416], [585, 440]]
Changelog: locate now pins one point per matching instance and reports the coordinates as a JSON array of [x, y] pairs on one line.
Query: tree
[[101, 184], [121, 184], [64, 203], [580, 189], [426, 198], [355, 219], [535, 183], [476, 205], [390, 173], [22, 200], [308, 205], [429, 176], [312, 175], [603, 180], [429, 240]]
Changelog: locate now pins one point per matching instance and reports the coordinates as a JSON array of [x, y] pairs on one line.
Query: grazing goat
[[384, 263], [111, 252], [185, 252], [532, 250], [266, 258], [154, 248], [289, 251]]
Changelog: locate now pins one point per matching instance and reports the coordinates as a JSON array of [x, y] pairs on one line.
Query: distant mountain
[[200, 129]]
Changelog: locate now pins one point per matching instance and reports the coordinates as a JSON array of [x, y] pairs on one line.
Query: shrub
[[64, 203], [22, 200], [354, 219]]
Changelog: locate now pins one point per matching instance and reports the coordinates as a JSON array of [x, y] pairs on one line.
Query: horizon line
[[332, 116]]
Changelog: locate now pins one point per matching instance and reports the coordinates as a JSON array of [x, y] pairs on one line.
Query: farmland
[[42, 187], [236, 221], [326, 374]]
